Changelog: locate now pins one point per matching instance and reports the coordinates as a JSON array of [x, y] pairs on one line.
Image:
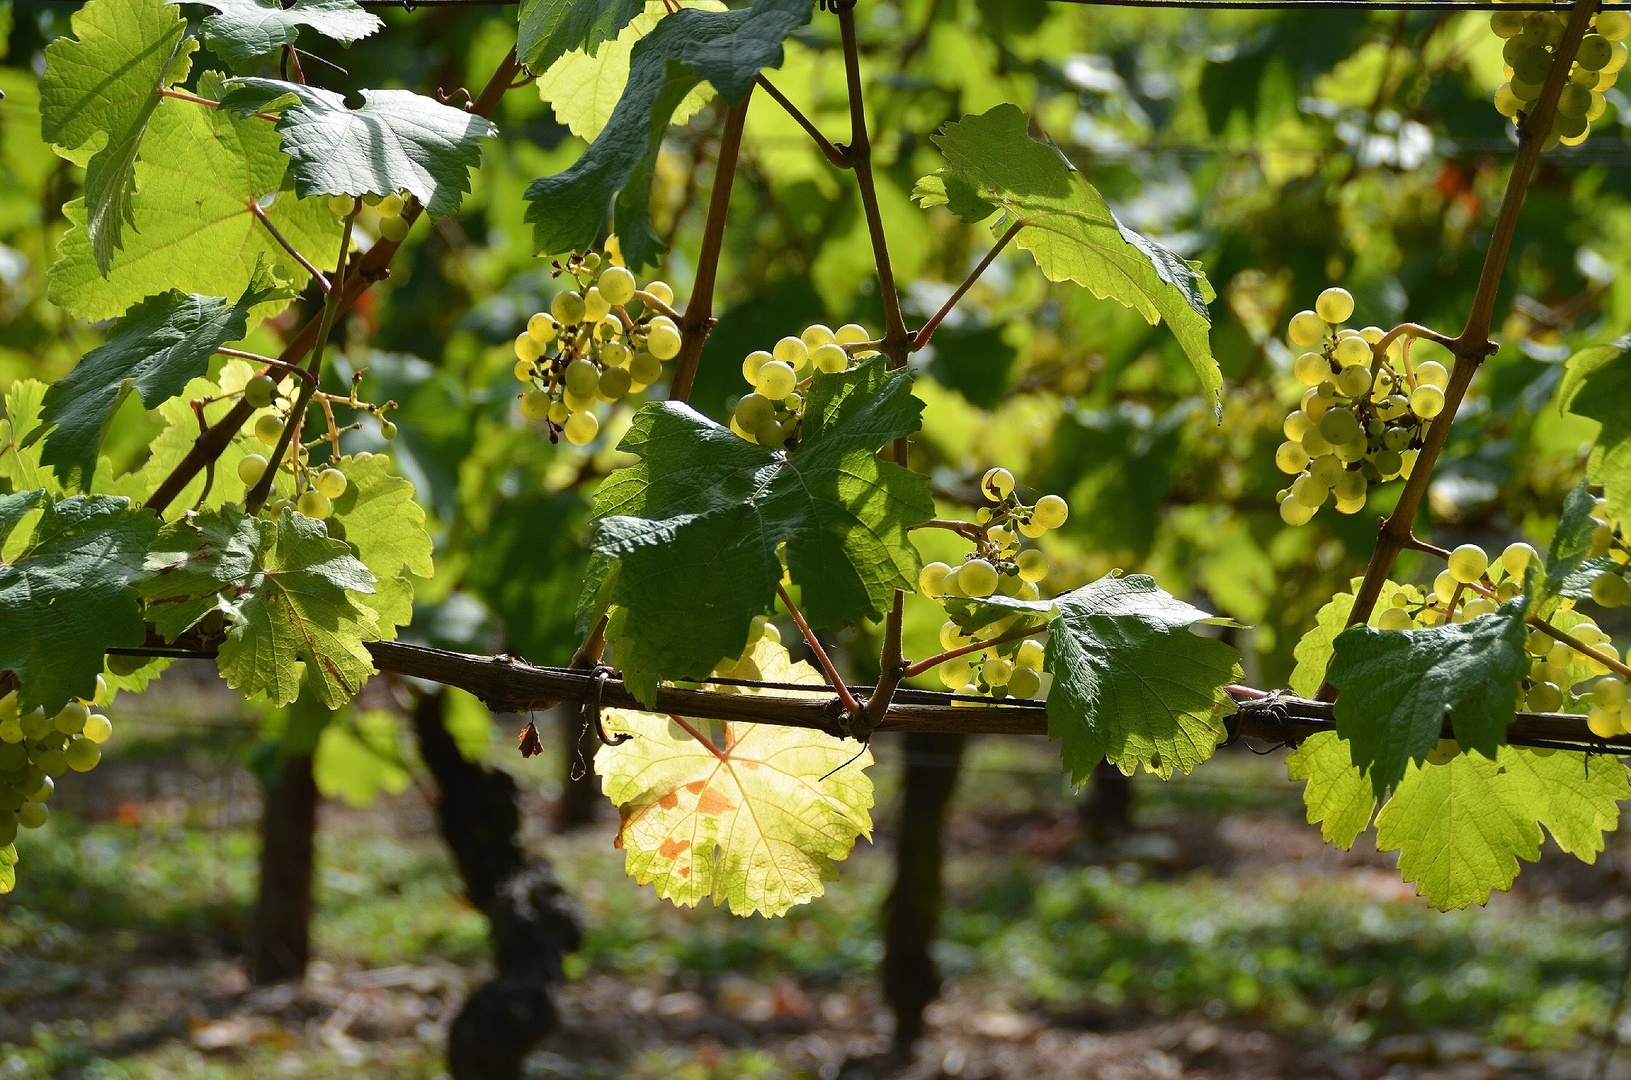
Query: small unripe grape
[[1291, 458], [851, 334], [82, 754], [542, 329], [1467, 563], [582, 377], [1388, 463], [1427, 401], [932, 578], [71, 720], [1306, 330], [615, 383], [1515, 559], [1395, 618], [394, 229], [663, 342], [98, 728], [791, 351], [251, 467], [1544, 697], [523, 371], [595, 305], [753, 410], [1334, 305], [582, 427], [1611, 591], [1596, 52], [314, 504], [662, 291], [817, 335], [1339, 426], [1032, 565], [1311, 369], [558, 412], [340, 205], [269, 429], [260, 391], [387, 430], [997, 484], [1024, 683], [977, 577], [391, 205], [1354, 381], [954, 673], [616, 354], [567, 308], [830, 358], [1444, 586], [535, 404], [645, 368], [1050, 512], [617, 285], [997, 672], [31, 815], [776, 379]]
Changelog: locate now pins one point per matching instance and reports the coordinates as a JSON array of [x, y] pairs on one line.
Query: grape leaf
[[1313, 650], [744, 818], [396, 141], [359, 757], [99, 92], [20, 449], [200, 171], [551, 28], [726, 49], [698, 523], [583, 89], [1131, 683], [385, 525], [994, 165], [65, 598], [157, 346], [245, 29], [1598, 386], [1569, 568], [288, 589], [1461, 827], [1397, 685], [1338, 795]]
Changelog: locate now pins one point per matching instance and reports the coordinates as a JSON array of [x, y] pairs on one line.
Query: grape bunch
[[588, 349], [1362, 419], [314, 489], [391, 225], [1470, 586], [1611, 553], [770, 414], [1531, 37], [35, 747], [997, 564]]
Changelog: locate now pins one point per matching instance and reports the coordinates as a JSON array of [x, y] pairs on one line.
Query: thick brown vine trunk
[[531, 918], [912, 914], [280, 929]]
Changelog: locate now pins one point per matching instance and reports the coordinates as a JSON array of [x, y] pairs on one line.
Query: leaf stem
[[965, 528], [974, 646], [927, 331], [698, 320], [290, 369], [828, 150], [260, 215], [851, 706], [181, 95]]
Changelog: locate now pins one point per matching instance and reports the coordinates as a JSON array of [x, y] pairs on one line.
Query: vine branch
[[828, 150], [851, 706], [921, 338], [317, 275]]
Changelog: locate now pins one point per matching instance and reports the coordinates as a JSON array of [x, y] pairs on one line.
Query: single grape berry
[[1334, 306], [387, 430], [616, 285], [997, 484], [1050, 512], [98, 728], [581, 428], [1611, 591], [595, 305], [535, 404], [615, 383], [31, 815], [71, 720], [340, 205], [663, 342], [567, 308], [1467, 563], [260, 391], [817, 335], [776, 379], [1307, 329], [82, 754], [251, 468], [331, 483], [645, 368], [394, 229], [1032, 565], [830, 358], [977, 577], [269, 429], [932, 578]]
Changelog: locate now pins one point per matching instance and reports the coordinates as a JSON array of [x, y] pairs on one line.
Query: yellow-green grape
[[71, 720], [617, 285], [1309, 492], [1354, 381], [1031, 529], [952, 636], [523, 371], [595, 305], [997, 672], [1560, 656], [82, 754], [615, 383], [1515, 559], [314, 504], [1506, 24], [830, 358], [1024, 683], [1467, 563], [1523, 91], [1296, 425], [851, 334], [977, 577], [661, 290], [1596, 52], [645, 368], [251, 468], [1032, 565], [1531, 64], [581, 428], [1339, 426], [527, 349], [1311, 369], [260, 391], [1544, 697], [1506, 102], [391, 205], [1444, 586], [35, 724], [1030, 655], [394, 229], [1596, 666], [663, 340], [1427, 401], [753, 410], [567, 308], [1315, 404], [740, 432], [955, 672], [1574, 101], [582, 377], [1611, 591], [607, 330], [817, 335], [580, 402], [1050, 512], [269, 429], [791, 351], [615, 354], [332, 483], [31, 815], [1334, 305], [755, 360], [932, 578], [1352, 352], [1613, 25], [1475, 607], [535, 404], [1605, 723], [1326, 469], [1538, 643], [590, 261], [1395, 618], [1388, 463], [1432, 373], [98, 728], [542, 329], [1349, 486], [1610, 693], [340, 205], [776, 379], [43, 791], [997, 484], [1291, 458], [1602, 539], [559, 412], [371, 199], [1294, 512], [1306, 330]]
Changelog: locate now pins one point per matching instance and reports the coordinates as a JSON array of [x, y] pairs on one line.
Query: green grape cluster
[[1610, 589], [315, 489], [1531, 39], [390, 224], [1363, 416], [997, 564], [35, 747], [588, 349], [771, 413], [1470, 586]]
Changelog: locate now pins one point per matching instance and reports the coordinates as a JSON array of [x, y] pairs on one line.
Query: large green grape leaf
[[200, 170], [155, 349], [1131, 682], [726, 49], [583, 89], [1597, 384], [396, 141], [1461, 827], [698, 523], [1338, 795], [245, 29], [100, 90], [65, 597], [20, 447], [755, 818], [1313, 649], [385, 525], [1395, 687], [994, 165], [288, 589], [551, 28]]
